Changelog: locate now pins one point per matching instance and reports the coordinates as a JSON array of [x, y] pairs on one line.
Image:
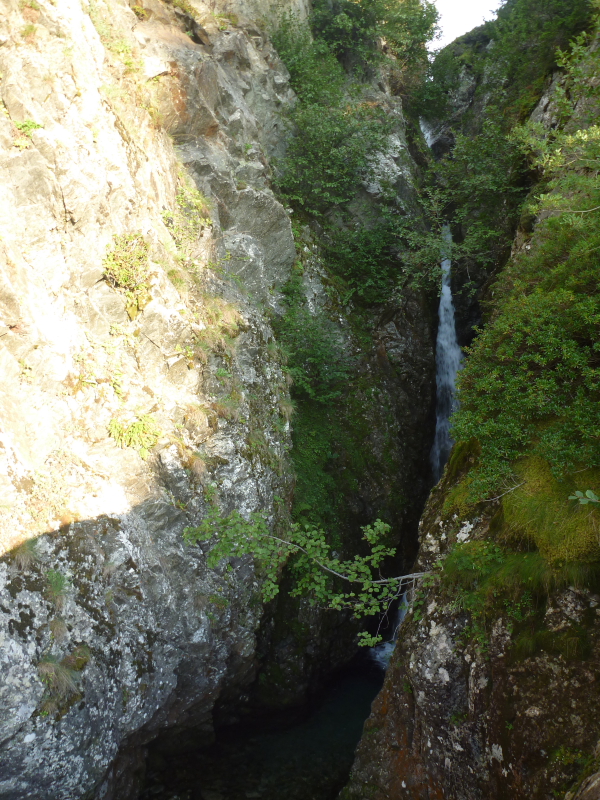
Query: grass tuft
[[26, 554], [57, 588], [126, 269], [60, 678]]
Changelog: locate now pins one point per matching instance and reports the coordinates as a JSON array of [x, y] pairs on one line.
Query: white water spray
[[448, 360], [382, 653], [427, 131]]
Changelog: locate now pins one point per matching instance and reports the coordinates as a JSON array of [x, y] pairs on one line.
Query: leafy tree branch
[[317, 570]]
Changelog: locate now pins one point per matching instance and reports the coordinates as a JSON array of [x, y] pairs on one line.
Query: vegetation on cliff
[[508, 58], [346, 453], [338, 126], [531, 383], [527, 427], [358, 584], [492, 655]]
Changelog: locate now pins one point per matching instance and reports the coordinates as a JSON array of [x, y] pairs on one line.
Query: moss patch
[[563, 531]]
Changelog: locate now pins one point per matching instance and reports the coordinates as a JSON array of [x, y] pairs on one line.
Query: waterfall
[[448, 359], [427, 131], [382, 653]]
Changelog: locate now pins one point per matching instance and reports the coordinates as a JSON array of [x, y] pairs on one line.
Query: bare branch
[[491, 500]]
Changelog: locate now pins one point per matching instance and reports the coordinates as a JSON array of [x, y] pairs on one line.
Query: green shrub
[[484, 180], [532, 380], [320, 440], [481, 186], [527, 34], [317, 359], [490, 581], [365, 255], [336, 136], [126, 268], [512, 73], [316, 75], [141, 434], [352, 30], [28, 125], [571, 643], [329, 153]]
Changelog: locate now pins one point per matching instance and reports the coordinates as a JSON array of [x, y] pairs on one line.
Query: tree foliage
[[316, 358], [329, 154], [532, 380], [338, 134], [366, 255], [507, 58], [353, 30], [355, 584], [527, 35]]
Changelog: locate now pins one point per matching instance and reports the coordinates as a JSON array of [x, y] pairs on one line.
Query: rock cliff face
[[128, 406], [458, 720], [142, 253]]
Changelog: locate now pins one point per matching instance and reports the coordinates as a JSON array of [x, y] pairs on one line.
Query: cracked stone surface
[[462, 722]]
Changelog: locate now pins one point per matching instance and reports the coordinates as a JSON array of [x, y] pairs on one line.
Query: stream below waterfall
[[309, 759]]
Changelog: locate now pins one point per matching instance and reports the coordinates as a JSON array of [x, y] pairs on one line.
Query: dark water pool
[[309, 760]]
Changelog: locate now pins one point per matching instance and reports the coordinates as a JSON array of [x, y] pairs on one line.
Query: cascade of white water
[[448, 360], [382, 653], [427, 132]]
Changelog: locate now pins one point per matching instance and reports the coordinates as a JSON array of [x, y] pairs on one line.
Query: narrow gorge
[[228, 388]]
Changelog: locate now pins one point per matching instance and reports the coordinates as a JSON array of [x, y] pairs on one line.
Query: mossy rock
[[464, 455], [541, 511], [458, 500], [456, 483]]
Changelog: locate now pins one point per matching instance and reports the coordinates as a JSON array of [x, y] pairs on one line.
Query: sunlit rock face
[[111, 628]]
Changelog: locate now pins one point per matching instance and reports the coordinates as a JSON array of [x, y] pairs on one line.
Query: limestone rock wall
[[141, 255]]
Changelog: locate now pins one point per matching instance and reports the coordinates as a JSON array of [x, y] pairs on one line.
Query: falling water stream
[[448, 360], [382, 653]]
